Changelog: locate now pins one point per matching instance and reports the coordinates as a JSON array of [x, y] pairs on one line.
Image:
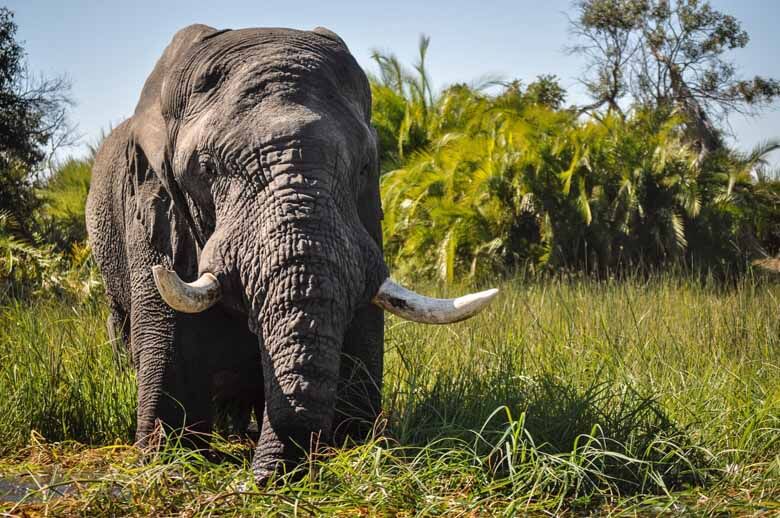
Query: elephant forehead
[[257, 57], [317, 150], [251, 77], [248, 65]]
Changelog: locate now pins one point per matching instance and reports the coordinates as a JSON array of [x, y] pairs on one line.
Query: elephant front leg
[[170, 373], [173, 374], [360, 384], [152, 337]]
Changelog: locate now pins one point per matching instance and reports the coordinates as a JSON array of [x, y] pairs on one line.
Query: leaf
[[583, 203], [678, 227], [567, 175], [447, 251]]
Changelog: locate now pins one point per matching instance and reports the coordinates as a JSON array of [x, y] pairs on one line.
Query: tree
[[33, 125], [407, 99], [64, 193], [668, 55], [547, 91], [408, 115]]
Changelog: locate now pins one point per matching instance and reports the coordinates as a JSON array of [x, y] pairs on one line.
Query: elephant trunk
[[303, 321], [303, 282]]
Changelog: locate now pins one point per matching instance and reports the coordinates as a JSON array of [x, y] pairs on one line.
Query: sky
[[107, 48]]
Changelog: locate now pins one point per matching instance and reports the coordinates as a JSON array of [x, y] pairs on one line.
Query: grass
[[59, 376], [638, 396]]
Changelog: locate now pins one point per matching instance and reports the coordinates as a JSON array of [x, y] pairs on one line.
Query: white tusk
[[769, 263], [407, 304], [187, 297]]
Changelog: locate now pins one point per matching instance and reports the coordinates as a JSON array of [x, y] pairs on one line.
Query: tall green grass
[[566, 395], [60, 377]]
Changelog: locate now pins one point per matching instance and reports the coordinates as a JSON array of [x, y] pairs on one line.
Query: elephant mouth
[[203, 293]]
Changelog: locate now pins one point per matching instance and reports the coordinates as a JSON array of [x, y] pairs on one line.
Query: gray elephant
[[250, 169]]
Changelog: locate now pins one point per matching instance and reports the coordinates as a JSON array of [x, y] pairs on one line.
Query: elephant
[[236, 221]]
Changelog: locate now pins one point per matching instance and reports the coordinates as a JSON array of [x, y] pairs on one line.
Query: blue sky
[[108, 48]]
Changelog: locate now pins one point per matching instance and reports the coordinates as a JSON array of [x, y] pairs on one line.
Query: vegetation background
[[632, 363]]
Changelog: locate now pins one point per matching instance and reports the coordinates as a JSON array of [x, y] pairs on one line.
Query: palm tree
[[479, 182], [396, 88]]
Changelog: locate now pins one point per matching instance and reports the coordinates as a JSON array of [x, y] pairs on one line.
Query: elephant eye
[[207, 166], [362, 177], [366, 170]]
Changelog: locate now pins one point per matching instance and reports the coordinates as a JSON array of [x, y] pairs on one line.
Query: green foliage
[[31, 268], [546, 91], [65, 195], [549, 402], [402, 102], [510, 180], [531, 185], [60, 375], [23, 263], [740, 218], [54, 258], [18, 118]]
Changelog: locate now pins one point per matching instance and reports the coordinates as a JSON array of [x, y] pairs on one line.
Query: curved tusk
[[412, 306], [769, 263], [187, 297]]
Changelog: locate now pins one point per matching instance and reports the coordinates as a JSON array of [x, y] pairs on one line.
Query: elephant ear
[[324, 31], [148, 125], [369, 202], [157, 195], [165, 227], [159, 204]]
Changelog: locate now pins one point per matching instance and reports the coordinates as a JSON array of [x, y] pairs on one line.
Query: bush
[[510, 180], [64, 195]]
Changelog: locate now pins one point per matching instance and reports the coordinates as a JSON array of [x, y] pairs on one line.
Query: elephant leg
[[252, 399], [194, 366], [179, 396], [236, 395], [152, 338], [360, 379], [172, 369]]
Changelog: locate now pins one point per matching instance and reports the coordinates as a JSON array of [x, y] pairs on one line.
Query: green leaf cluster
[[494, 180]]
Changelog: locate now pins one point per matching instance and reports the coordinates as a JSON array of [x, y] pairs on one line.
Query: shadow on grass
[[605, 434]]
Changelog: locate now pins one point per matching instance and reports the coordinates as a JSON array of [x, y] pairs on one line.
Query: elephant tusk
[[412, 306], [187, 297]]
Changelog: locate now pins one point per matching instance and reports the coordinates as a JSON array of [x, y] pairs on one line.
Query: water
[[16, 489]]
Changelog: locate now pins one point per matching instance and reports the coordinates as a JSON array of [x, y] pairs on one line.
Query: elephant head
[[263, 140]]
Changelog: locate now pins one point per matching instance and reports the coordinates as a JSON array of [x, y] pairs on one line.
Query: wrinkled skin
[[250, 155]]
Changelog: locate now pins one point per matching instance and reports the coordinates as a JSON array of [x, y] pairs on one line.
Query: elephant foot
[[269, 471], [150, 436], [283, 460], [152, 439]]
